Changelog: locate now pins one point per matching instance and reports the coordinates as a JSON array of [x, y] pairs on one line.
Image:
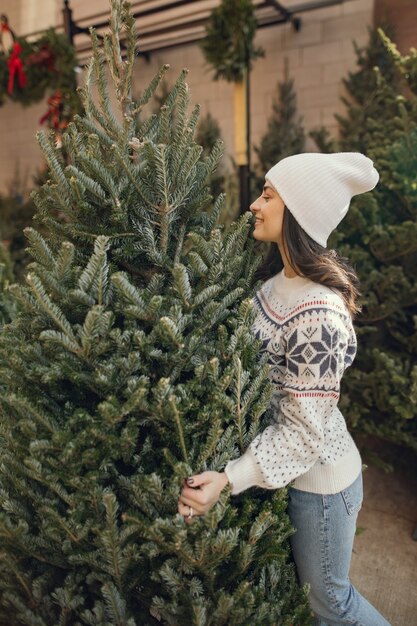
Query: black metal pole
[[245, 169], [248, 128], [244, 188], [68, 22]]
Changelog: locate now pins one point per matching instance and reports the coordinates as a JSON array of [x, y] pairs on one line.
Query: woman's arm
[[316, 357], [317, 353]]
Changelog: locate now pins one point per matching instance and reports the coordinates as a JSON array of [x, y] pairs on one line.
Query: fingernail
[[190, 481]]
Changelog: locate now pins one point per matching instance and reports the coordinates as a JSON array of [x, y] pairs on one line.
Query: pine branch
[[180, 429], [150, 90], [51, 309]]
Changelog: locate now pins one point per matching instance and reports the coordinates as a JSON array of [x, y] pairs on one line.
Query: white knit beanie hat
[[317, 188]]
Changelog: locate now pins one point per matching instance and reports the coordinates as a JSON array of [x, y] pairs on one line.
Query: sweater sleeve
[[316, 354]]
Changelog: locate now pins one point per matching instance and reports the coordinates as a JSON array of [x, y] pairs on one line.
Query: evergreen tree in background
[[7, 305], [284, 137], [131, 366], [364, 102], [225, 179], [323, 139], [15, 215], [376, 78], [16, 212], [379, 235], [285, 134], [208, 133], [207, 136]]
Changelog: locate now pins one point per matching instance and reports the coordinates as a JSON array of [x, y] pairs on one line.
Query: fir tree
[[7, 305], [15, 215], [285, 134], [16, 212], [364, 100], [284, 137], [376, 78], [224, 180], [130, 366], [323, 140], [207, 135], [379, 236]]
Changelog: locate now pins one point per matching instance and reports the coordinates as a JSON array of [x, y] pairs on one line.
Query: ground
[[384, 563]]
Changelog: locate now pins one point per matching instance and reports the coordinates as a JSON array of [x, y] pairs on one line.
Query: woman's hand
[[200, 493]]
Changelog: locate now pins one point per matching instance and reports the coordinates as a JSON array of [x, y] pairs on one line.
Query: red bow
[[16, 66]]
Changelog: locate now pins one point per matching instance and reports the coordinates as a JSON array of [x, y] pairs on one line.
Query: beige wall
[[28, 16], [402, 15], [319, 56]]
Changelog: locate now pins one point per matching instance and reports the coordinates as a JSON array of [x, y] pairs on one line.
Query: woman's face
[[269, 212]]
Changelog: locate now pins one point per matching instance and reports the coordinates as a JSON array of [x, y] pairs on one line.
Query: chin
[[259, 236]]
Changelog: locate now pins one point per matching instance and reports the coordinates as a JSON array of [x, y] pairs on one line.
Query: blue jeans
[[322, 549]]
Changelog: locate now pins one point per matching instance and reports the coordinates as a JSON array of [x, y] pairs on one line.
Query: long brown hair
[[309, 259]]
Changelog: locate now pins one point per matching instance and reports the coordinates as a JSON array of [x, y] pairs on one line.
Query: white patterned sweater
[[307, 332]]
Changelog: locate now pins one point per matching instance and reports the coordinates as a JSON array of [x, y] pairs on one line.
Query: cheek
[[274, 218]]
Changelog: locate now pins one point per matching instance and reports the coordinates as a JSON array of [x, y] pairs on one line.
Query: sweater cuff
[[243, 473]]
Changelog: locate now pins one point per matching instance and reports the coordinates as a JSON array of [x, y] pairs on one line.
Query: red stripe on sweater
[[299, 308], [314, 394]]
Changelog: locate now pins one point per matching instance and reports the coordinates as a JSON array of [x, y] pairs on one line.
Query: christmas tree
[[285, 134], [225, 179], [379, 236], [15, 214], [372, 90], [284, 137], [7, 305], [130, 366], [364, 101], [207, 136]]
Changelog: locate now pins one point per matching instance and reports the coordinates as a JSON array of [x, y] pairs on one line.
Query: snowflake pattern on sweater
[[307, 332]]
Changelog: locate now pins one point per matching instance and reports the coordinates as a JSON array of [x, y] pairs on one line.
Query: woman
[[304, 319]]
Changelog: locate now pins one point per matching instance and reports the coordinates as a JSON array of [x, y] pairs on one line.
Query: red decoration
[[53, 114], [16, 66], [44, 56]]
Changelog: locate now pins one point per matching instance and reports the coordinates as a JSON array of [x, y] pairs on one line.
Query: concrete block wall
[[319, 56], [402, 15]]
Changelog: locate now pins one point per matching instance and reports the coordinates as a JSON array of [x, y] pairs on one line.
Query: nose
[[254, 207]]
